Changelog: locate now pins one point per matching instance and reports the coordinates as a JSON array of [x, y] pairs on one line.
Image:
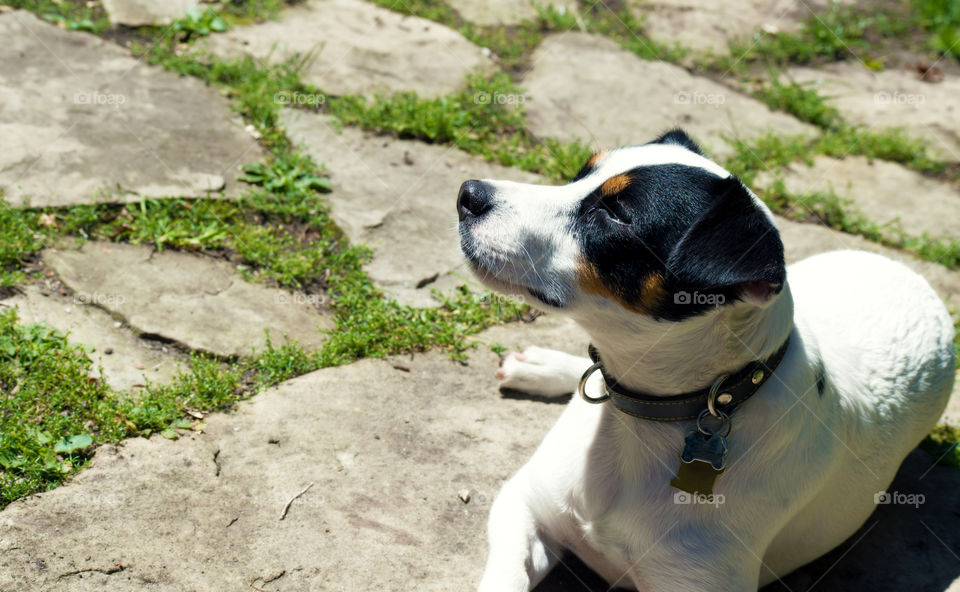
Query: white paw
[[541, 371]]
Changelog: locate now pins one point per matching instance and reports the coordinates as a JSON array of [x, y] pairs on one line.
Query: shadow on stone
[[573, 574], [902, 546], [509, 393]]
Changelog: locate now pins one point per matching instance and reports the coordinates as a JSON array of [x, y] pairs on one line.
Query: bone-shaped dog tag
[[704, 455], [705, 448]]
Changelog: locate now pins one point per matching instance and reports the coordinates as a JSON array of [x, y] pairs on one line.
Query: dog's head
[[658, 230]]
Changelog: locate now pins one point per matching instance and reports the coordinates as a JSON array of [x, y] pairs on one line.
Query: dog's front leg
[[541, 371], [520, 553]]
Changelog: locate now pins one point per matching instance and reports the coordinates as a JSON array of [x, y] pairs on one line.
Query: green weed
[[72, 15], [943, 443], [486, 118], [942, 19], [803, 102], [198, 22]]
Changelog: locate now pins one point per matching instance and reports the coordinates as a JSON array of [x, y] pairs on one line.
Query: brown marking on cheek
[[615, 185], [596, 158], [653, 292], [589, 279], [651, 295]]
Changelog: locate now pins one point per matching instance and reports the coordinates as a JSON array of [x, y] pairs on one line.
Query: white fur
[[802, 468]]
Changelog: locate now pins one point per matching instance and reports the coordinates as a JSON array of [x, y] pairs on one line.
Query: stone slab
[[885, 192], [709, 26], [84, 122], [204, 512], [586, 86], [127, 362], [360, 48], [146, 12], [196, 301], [892, 98], [503, 12], [399, 198]]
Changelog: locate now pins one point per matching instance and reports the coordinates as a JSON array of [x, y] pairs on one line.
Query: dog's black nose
[[474, 199]]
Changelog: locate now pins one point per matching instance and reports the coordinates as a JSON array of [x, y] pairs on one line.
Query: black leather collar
[[731, 391]]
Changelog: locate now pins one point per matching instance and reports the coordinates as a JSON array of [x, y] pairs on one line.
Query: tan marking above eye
[[615, 185], [596, 158]]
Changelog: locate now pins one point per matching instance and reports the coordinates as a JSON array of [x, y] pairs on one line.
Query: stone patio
[[379, 475]]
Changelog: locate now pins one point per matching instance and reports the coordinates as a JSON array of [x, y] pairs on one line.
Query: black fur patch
[[702, 233], [821, 382], [680, 138]]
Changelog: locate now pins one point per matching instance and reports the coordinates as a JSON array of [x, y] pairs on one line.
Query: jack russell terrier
[[736, 418]]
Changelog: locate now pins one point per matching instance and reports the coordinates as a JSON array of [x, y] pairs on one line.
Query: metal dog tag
[[704, 455], [710, 449]]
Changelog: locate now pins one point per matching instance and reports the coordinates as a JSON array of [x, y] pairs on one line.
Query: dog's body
[[867, 372]]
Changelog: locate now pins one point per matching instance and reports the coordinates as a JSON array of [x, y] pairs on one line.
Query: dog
[[676, 271]]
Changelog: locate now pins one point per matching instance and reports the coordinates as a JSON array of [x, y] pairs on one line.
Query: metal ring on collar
[[725, 424], [583, 383], [712, 396]]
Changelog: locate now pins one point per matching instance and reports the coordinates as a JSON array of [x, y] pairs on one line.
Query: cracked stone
[[359, 48], [373, 514], [586, 86], [84, 122], [406, 214], [89, 325], [197, 301], [411, 529], [886, 192]]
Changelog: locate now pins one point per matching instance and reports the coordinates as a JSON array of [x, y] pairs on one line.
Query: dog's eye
[[614, 210]]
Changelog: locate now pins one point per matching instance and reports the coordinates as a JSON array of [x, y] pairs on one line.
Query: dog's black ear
[[732, 248], [680, 138]]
